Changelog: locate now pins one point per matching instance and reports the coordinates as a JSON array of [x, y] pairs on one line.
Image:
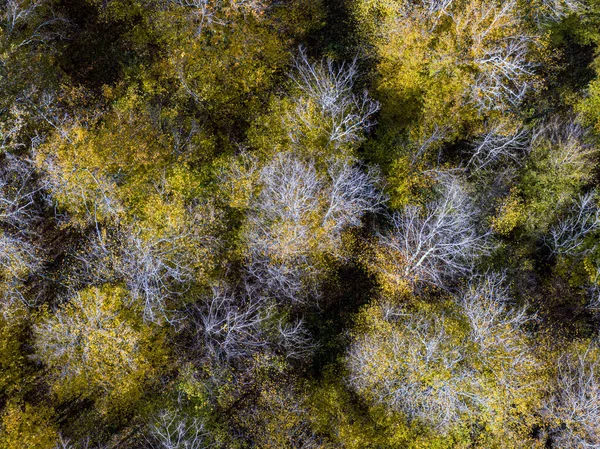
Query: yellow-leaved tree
[[448, 73], [446, 67], [27, 426], [94, 346], [463, 368]]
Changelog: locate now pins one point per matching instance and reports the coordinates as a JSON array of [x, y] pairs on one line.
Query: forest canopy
[[299, 224]]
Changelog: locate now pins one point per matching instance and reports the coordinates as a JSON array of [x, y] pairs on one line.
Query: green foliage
[[561, 162]]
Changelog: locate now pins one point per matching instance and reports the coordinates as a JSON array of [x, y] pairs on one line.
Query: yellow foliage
[[27, 427], [94, 345], [511, 214], [12, 358], [388, 266], [431, 64], [391, 351], [94, 173], [406, 182]]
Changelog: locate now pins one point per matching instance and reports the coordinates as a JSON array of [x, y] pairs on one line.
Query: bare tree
[[229, 329], [13, 123], [485, 303], [492, 39], [574, 409], [290, 189], [18, 259], [292, 280], [505, 73], [434, 139], [280, 226], [201, 5], [351, 194], [594, 289], [233, 327], [142, 262], [19, 256], [18, 187], [427, 366], [158, 262], [254, 7], [89, 194], [18, 15], [556, 10], [207, 14], [16, 11], [439, 242], [497, 328], [500, 52], [498, 145], [46, 108], [155, 269], [65, 443], [437, 6], [327, 91], [299, 214], [173, 431], [88, 341], [562, 147], [204, 13], [569, 235], [594, 296], [568, 141]]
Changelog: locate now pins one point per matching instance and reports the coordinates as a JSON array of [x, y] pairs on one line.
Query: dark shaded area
[[98, 49], [570, 70], [340, 36], [52, 282], [348, 290], [575, 55]]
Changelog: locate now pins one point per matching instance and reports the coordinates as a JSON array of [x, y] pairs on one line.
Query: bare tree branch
[[233, 327], [441, 241], [328, 91], [420, 364], [497, 146], [299, 214], [575, 406], [569, 235], [172, 431]]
